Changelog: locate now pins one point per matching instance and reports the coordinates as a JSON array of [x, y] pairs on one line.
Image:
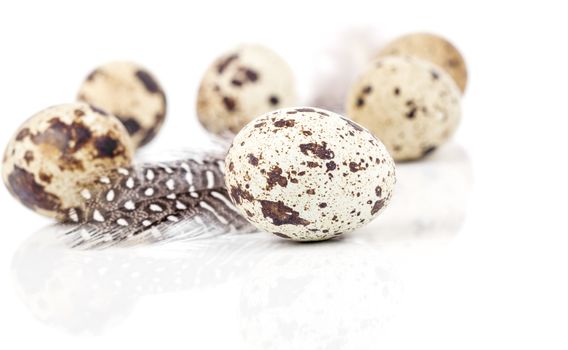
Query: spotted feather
[[154, 202]]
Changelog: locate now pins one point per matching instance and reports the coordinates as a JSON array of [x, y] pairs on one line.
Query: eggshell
[[241, 85], [410, 104], [308, 174], [432, 48], [55, 148], [131, 93]]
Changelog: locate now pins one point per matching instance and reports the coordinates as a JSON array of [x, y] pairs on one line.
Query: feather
[[153, 202]]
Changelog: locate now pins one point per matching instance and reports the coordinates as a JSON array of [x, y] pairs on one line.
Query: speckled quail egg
[[241, 85], [308, 174], [53, 149], [131, 93], [432, 48], [410, 104]]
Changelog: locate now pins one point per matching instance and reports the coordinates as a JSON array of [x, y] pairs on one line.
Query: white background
[[472, 254]]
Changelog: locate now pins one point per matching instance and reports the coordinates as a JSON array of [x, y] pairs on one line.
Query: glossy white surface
[[471, 254]]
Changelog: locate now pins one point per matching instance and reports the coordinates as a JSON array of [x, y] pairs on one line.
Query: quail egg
[[53, 149], [131, 93], [308, 174], [411, 105], [242, 84], [432, 48]]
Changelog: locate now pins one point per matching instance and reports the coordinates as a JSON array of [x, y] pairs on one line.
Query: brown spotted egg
[[242, 84], [131, 93], [308, 174], [412, 105], [53, 149], [432, 48]]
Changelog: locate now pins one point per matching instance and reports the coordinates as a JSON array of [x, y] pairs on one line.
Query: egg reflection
[[340, 295], [83, 291]]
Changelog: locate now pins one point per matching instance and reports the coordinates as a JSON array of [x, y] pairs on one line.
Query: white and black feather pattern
[[154, 202]]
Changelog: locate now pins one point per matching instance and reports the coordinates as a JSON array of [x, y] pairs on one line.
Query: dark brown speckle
[[435, 75], [411, 113], [354, 167], [22, 134], [225, 63], [273, 100], [428, 151], [92, 75], [31, 194], [107, 147], [252, 159], [281, 214], [377, 206], [149, 83], [320, 151], [45, 177], [29, 157], [274, 176], [230, 103], [131, 124], [281, 235], [330, 166], [238, 194], [453, 62], [148, 136], [98, 110], [378, 191], [66, 138], [251, 75], [284, 123]]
